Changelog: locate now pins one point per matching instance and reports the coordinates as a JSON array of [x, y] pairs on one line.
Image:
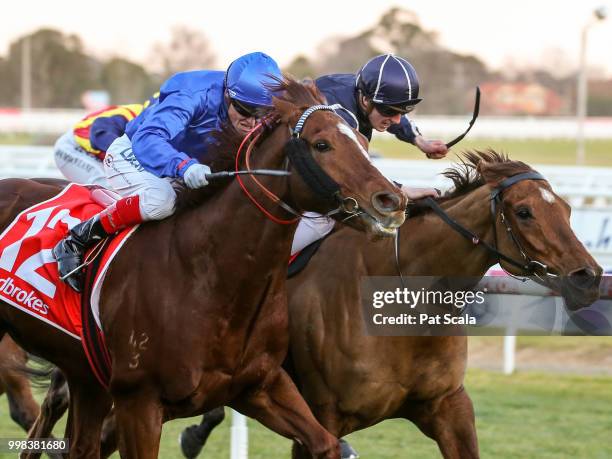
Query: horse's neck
[[231, 220], [430, 246]]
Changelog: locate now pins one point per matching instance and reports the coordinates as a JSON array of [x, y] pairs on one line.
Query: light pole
[[581, 104]]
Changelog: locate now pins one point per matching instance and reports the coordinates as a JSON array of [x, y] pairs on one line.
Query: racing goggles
[[247, 110], [390, 110]]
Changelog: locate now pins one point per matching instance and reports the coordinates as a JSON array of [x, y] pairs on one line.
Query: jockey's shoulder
[[193, 82], [336, 81]]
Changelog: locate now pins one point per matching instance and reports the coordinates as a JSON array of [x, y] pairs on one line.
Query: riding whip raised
[[474, 116]]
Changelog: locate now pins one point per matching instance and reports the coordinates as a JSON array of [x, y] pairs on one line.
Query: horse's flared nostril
[[384, 201], [584, 278]]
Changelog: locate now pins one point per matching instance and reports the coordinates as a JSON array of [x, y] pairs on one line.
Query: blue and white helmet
[[247, 78], [389, 80]]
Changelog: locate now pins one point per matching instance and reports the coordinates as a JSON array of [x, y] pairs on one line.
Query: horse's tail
[[37, 370]]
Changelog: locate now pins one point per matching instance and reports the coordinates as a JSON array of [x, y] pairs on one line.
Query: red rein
[[259, 129]]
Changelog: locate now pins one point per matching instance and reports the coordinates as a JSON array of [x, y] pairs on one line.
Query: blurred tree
[[188, 49], [61, 71], [347, 55], [301, 67], [127, 82], [447, 78]]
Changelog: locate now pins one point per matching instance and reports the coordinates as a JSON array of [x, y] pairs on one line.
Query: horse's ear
[[286, 110]]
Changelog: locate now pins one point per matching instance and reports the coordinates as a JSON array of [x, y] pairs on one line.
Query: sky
[[501, 33]]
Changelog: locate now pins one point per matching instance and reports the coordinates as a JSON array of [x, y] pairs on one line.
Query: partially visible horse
[[193, 308], [352, 381], [15, 384]]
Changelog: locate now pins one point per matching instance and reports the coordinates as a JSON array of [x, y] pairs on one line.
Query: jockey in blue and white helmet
[[169, 141], [379, 96]]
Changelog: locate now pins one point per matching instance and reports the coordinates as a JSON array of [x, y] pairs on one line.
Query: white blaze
[[547, 195], [347, 131]]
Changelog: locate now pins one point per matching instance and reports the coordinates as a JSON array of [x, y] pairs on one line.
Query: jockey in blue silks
[[166, 142], [378, 97]]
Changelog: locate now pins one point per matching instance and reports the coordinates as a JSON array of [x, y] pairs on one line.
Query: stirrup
[[89, 259]]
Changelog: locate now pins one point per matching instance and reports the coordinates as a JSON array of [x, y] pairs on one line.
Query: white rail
[[56, 122]]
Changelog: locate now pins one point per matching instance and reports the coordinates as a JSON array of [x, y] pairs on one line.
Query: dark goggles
[[390, 110], [246, 110]]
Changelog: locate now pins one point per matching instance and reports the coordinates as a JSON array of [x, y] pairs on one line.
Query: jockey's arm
[[152, 141], [406, 131], [105, 129]]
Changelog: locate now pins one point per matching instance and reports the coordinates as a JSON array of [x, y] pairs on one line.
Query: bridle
[[527, 264], [298, 154]]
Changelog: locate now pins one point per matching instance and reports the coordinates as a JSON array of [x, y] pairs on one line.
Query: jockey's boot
[[70, 251]]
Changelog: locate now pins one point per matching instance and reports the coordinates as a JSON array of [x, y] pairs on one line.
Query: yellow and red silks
[[82, 128]]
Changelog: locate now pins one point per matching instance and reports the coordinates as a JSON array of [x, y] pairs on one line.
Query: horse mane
[[302, 94], [296, 95], [467, 176], [290, 95]]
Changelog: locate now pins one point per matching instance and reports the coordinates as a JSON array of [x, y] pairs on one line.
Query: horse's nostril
[[583, 278], [386, 202]]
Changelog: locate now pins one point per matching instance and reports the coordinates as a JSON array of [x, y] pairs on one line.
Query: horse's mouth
[[377, 228], [382, 230], [575, 298]]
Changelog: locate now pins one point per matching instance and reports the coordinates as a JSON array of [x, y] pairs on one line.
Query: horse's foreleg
[[280, 407], [194, 437], [109, 435], [450, 422], [139, 417], [89, 405]]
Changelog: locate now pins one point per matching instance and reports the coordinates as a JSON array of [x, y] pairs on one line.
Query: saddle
[[299, 260], [29, 279]]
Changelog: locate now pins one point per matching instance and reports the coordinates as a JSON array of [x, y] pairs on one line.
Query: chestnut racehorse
[[352, 381], [193, 308]]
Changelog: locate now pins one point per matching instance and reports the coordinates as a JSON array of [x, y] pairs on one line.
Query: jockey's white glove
[[195, 176]]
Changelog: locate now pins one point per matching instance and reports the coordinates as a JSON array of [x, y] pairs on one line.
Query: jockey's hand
[[419, 193], [433, 149], [195, 176]]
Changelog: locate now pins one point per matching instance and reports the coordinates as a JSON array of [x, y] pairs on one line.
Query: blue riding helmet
[[389, 80], [247, 77]]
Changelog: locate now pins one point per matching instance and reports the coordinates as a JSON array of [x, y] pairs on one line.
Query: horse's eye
[[321, 146], [523, 213]]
